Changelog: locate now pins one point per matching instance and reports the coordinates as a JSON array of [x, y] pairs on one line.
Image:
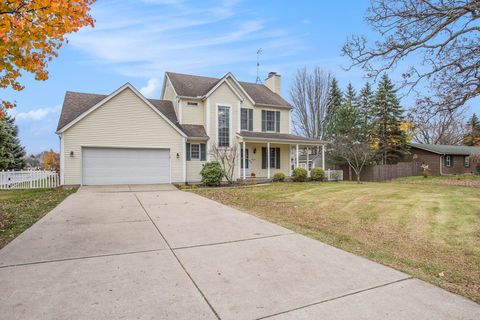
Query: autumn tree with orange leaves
[[51, 161], [31, 33]]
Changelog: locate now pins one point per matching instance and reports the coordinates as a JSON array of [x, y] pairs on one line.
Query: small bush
[[279, 177], [212, 174], [317, 174], [299, 175]]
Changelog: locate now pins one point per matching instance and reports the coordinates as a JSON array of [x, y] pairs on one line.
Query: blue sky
[[137, 41]]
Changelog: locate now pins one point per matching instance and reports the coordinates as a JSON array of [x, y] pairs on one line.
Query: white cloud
[[199, 37], [36, 114], [151, 90]]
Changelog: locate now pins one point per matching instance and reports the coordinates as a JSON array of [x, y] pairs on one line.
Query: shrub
[[299, 175], [212, 174], [317, 174], [279, 177]]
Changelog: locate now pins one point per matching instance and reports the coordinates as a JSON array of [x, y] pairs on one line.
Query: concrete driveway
[[152, 252]]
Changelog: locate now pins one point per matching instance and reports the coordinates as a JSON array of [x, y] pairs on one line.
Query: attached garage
[[107, 166]]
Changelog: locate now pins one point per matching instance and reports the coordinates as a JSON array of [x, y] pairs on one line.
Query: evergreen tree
[[386, 133], [351, 98], [365, 104], [472, 138], [12, 152], [335, 100]]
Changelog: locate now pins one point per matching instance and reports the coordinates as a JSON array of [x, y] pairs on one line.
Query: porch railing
[[28, 179], [334, 175]]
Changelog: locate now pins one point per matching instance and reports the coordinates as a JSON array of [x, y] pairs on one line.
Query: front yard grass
[[430, 231], [19, 209]]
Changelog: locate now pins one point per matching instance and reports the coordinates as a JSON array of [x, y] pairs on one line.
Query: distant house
[[446, 159]]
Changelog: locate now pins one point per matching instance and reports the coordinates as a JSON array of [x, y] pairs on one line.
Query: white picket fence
[[334, 175], [28, 179]]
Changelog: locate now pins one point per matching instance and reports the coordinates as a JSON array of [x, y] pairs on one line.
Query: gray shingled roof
[[276, 136], [196, 86], [447, 149], [76, 103]]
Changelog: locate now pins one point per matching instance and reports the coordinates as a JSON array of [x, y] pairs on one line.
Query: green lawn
[[430, 231], [19, 209]]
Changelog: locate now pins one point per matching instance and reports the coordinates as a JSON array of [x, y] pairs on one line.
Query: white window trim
[[199, 152], [230, 122]]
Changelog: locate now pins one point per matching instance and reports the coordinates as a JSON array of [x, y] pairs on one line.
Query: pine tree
[[351, 98], [12, 152], [472, 138], [335, 100], [387, 136], [365, 104]]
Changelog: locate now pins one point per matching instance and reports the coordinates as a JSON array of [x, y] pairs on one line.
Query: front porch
[[269, 153]]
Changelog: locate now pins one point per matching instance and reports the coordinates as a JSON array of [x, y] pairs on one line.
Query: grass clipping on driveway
[[429, 231], [19, 209]]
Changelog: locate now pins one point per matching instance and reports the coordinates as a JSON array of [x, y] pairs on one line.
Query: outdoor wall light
[[254, 150], [178, 155], [71, 154]]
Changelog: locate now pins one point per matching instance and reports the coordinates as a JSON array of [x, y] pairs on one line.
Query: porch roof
[[249, 136]]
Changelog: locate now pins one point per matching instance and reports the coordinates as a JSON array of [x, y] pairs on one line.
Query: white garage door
[[102, 166]]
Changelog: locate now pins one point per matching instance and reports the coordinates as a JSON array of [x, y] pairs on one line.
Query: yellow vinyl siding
[[193, 114], [169, 94], [124, 121]]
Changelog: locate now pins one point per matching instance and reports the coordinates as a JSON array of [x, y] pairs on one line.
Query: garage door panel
[[125, 166]]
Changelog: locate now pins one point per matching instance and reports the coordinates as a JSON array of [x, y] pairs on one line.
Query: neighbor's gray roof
[[447, 149], [269, 136], [76, 103], [196, 86]]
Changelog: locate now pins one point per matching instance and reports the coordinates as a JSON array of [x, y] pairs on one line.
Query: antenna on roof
[[259, 52]]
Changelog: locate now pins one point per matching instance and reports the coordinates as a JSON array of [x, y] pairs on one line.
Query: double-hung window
[[270, 121], [448, 160], [466, 162], [223, 126], [195, 151], [246, 119]]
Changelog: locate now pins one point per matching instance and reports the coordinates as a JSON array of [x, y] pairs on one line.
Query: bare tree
[[309, 94], [437, 127], [354, 153], [444, 34], [226, 157]]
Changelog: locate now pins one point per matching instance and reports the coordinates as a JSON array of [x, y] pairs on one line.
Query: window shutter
[[277, 155], [264, 158], [203, 153], [264, 121], [188, 152], [277, 121], [250, 119]]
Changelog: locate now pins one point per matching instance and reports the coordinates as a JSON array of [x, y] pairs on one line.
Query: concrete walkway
[[152, 252]]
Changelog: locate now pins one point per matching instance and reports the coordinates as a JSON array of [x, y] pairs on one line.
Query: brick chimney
[[274, 82]]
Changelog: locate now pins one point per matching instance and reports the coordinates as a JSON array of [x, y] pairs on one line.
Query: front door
[[247, 162]]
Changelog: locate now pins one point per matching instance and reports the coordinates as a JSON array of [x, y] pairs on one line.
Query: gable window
[[223, 126], [274, 158], [192, 104], [270, 121], [466, 162], [196, 151], [246, 119], [448, 161]]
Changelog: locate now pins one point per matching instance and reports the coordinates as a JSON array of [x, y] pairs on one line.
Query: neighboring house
[[311, 158], [124, 138], [446, 159]]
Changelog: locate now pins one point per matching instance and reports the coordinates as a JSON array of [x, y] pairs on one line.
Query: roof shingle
[[277, 136], [447, 149], [196, 86]]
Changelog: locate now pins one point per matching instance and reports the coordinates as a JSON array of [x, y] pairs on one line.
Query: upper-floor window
[[466, 162], [246, 119], [223, 126], [270, 121], [192, 104], [448, 161]]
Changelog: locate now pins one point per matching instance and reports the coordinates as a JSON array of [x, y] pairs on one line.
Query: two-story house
[[125, 138]]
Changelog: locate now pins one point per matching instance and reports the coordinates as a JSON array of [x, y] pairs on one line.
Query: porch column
[[268, 160], [308, 158], [238, 161], [243, 161], [296, 157], [323, 156]]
